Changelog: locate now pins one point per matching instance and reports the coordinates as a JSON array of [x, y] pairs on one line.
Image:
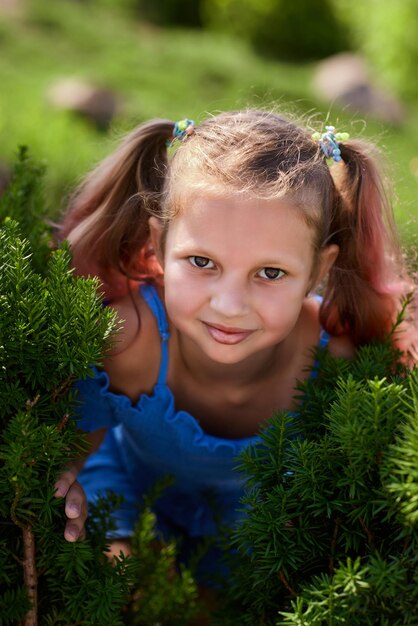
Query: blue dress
[[150, 440]]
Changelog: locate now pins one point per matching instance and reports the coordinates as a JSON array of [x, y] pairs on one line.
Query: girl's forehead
[[235, 221], [203, 193], [237, 208]]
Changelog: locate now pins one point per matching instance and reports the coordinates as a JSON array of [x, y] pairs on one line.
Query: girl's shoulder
[[130, 318], [133, 363], [136, 321]]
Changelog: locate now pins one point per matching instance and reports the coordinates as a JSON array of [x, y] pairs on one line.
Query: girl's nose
[[230, 300]]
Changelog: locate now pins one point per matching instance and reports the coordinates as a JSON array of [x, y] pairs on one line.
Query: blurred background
[[76, 74]]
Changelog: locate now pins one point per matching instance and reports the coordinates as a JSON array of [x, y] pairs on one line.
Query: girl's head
[[248, 154], [255, 154]]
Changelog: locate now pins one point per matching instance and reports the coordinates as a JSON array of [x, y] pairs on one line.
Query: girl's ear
[[327, 258], [156, 230]]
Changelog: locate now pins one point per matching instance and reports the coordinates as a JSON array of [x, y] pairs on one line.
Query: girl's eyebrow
[[195, 250], [191, 248]]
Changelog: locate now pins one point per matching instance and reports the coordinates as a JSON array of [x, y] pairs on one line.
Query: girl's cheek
[[180, 293], [180, 278]]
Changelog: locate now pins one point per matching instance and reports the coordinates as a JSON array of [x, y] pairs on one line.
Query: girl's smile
[[227, 335], [237, 270]]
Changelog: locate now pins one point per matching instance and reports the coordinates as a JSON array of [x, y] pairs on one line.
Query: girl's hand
[[75, 499], [75, 503]]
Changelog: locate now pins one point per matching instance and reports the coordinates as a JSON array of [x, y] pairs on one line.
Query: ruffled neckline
[[199, 437]]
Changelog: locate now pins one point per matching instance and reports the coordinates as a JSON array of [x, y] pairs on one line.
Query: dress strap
[[324, 338], [323, 342], [153, 300]]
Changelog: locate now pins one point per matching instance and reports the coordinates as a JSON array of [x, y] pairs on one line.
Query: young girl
[[211, 250]]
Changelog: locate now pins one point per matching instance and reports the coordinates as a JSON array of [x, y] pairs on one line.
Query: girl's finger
[[74, 530], [76, 502], [65, 481], [76, 511]]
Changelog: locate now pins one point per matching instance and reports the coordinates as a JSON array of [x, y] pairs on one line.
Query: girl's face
[[236, 272]]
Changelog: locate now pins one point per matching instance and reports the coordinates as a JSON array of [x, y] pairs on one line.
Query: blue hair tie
[[329, 142]]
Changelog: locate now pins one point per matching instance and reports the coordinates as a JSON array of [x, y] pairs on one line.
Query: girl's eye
[[271, 273], [201, 261]]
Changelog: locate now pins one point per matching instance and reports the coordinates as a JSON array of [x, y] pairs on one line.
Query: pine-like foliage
[[331, 531], [52, 327], [166, 593], [24, 202]]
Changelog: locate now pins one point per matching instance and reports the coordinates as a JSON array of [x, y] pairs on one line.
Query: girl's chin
[[227, 353]]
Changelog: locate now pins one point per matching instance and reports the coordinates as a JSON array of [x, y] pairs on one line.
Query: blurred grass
[[156, 72]]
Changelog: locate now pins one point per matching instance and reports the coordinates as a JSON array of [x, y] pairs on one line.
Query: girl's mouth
[[229, 336]]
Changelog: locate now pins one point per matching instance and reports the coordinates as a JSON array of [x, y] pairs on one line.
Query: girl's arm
[[69, 488], [117, 364]]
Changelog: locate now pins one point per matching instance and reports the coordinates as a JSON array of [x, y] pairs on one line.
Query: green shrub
[[166, 593], [52, 327], [294, 31], [24, 202], [330, 535]]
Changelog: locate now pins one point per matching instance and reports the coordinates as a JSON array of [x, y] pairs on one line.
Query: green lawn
[[157, 73]]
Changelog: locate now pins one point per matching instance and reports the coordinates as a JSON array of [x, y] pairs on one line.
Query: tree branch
[[334, 544], [30, 576], [29, 404], [63, 421], [370, 536], [62, 388], [285, 582]]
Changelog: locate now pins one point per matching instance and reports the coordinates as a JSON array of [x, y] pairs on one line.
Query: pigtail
[[366, 285], [107, 220]]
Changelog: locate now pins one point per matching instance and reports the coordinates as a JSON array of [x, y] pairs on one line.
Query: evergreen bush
[[24, 202], [331, 531], [168, 593], [52, 329], [52, 326]]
